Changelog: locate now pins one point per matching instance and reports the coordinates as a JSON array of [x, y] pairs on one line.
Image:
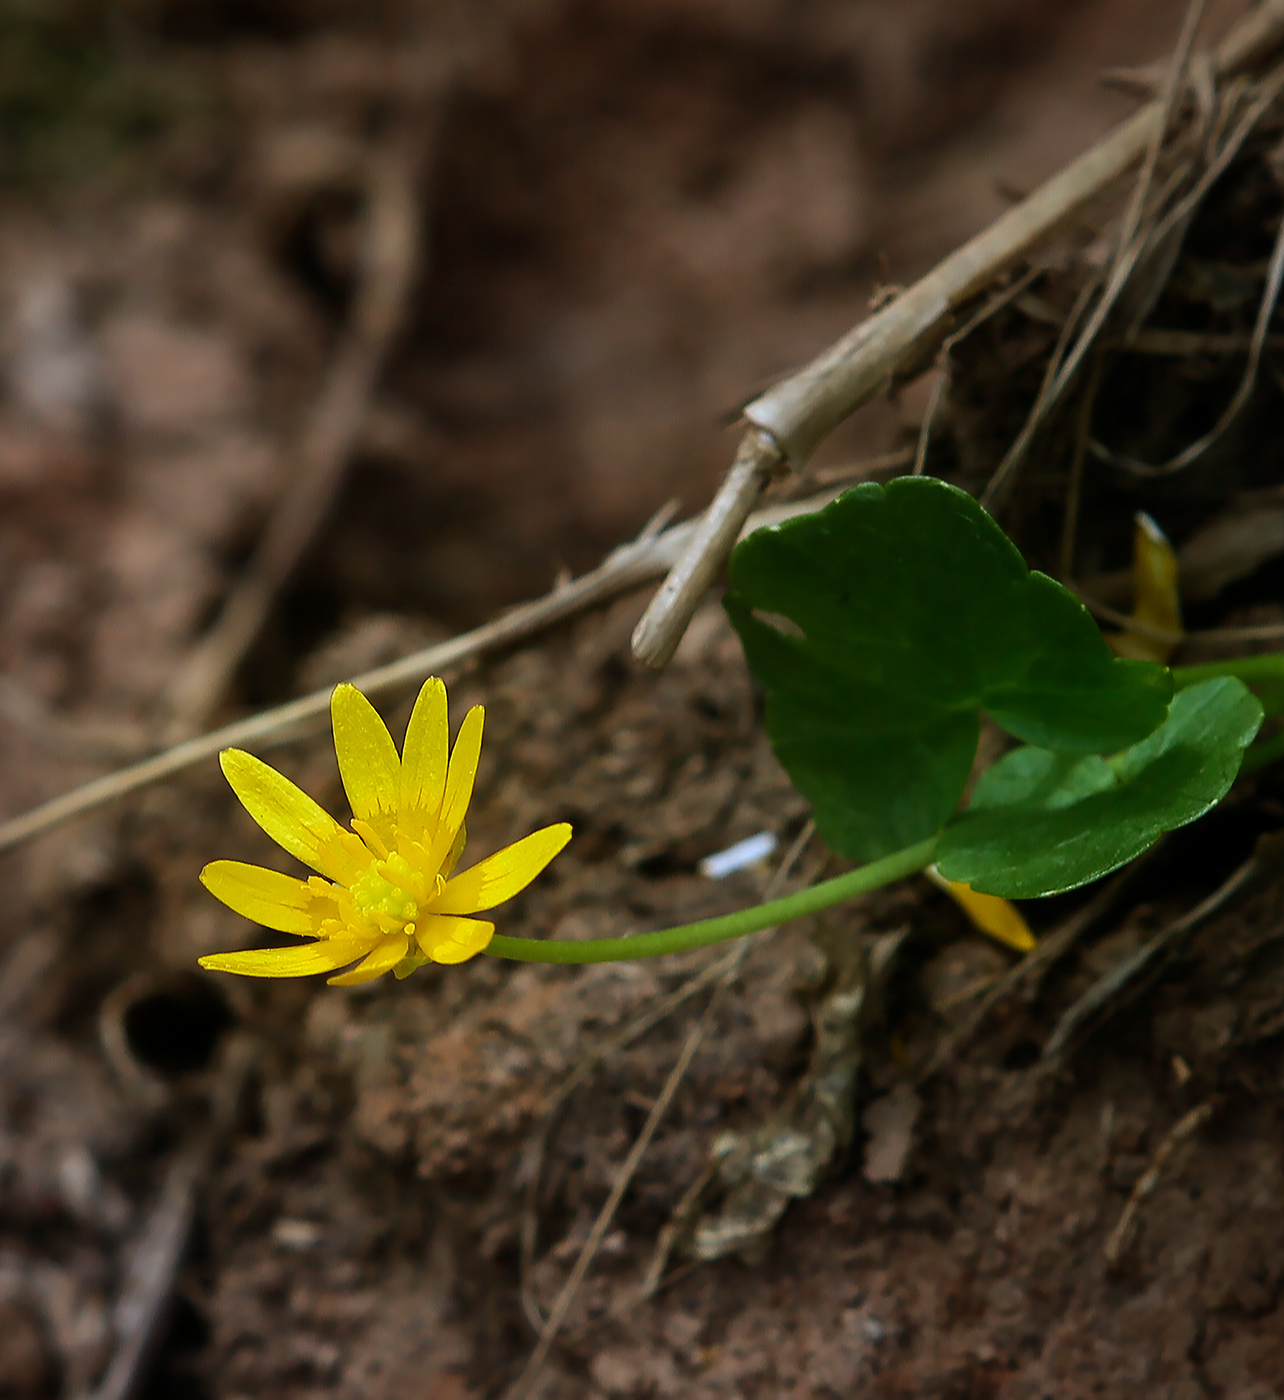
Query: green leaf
[[1042, 822], [882, 626]]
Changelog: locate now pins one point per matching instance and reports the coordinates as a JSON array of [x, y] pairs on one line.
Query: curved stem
[[698, 935], [1262, 674]]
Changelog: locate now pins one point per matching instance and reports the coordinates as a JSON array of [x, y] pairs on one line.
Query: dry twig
[[386, 271], [1029, 973], [1129, 258], [1239, 400], [162, 1242], [791, 418], [624, 570], [991, 308], [1123, 1234], [1128, 978], [537, 1150], [729, 967]]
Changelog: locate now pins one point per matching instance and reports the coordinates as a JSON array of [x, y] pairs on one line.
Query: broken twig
[[799, 411], [1123, 1234], [627, 568], [1128, 978]]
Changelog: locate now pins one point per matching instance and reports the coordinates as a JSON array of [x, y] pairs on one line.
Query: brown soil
[[639, 215]]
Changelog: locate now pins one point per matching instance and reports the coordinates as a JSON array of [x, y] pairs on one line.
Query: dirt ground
[[634, 216]]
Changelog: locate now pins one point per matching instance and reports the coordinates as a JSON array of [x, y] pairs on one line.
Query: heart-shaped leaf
[[882, 626], [1041, 822]]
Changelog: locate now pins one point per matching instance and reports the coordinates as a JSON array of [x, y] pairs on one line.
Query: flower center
[[374, 896]]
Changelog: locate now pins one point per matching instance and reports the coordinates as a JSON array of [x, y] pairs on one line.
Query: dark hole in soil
[[1022, 1055], [172, 1376], [175, 1030], [319, 247], [103, 922], [665, 863]]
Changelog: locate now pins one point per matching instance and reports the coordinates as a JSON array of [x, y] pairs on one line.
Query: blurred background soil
[[635, 214]]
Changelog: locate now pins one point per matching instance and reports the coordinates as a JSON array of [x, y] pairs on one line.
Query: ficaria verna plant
[[881, 629], [389, 895]]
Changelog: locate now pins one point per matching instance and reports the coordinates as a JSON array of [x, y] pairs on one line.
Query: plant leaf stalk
[[726, 926]]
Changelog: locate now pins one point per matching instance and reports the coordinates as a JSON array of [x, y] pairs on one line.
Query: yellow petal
[[368, 762], [292, 819], [992, 915], [266, 896], [444, 844], [456, 850], [1156, 599], [446, 939], [501, 876], [383, 958], [423, 764], [462, 773], [324, 956]]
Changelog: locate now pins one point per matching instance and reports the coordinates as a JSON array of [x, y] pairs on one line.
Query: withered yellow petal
[[266, 896], [324, 956], [424, 759], [368, 762], [382, 958], [1156, 603], [999, 918], [448, 939], [292, 819], [500, 876]]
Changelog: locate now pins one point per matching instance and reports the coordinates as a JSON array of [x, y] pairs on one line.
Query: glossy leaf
[[884, 625], [1041, 822]]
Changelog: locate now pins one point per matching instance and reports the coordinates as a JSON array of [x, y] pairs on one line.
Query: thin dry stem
[[630, 567], [728, 969], [991, 308], [657, 635], [1123, 1233], [387, 267], [1126, 264], [1244, 391], [798, 412], [533, 1166]]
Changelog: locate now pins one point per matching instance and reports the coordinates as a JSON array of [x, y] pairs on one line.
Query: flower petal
[[266, 896], [456, 850], [499, 877], [446, 939], [292, 819], [462, 773], [1000, 918], [444, 848], [384, 957], [368, 761], [324, 956], [423, 764]]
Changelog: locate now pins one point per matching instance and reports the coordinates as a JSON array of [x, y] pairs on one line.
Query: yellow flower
[[390, 896]]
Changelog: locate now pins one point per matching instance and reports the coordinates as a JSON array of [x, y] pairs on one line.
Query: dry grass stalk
[[791, 418]]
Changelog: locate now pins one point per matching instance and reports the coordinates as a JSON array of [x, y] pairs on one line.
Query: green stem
[[699, 935], [1263, 675], [1263, 751]]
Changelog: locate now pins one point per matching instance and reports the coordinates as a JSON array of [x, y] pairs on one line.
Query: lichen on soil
[[639, 215]]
